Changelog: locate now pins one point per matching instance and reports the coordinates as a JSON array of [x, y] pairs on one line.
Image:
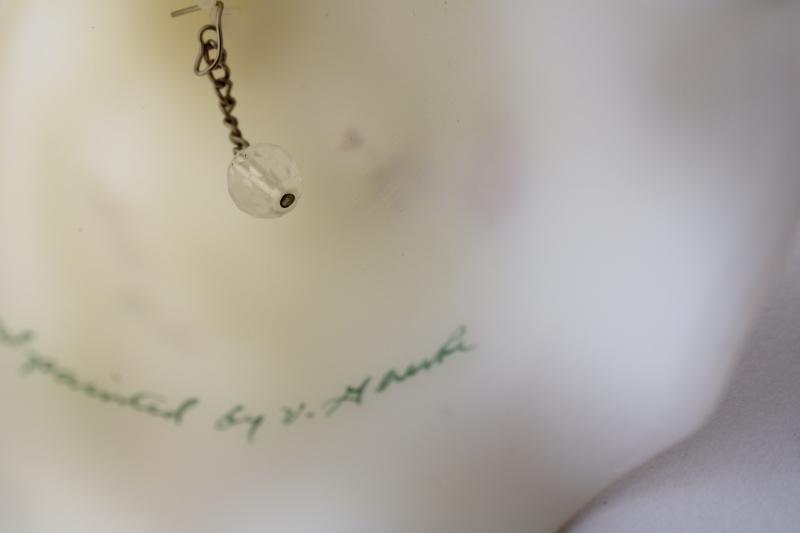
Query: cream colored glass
[[597, 193]]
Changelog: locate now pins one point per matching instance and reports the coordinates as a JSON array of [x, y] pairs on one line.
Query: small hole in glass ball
[[287, 200]]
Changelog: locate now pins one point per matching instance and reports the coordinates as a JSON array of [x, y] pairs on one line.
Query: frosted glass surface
[[263, 181]]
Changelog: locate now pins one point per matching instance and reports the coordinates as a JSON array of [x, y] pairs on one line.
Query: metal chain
[[215, 67]]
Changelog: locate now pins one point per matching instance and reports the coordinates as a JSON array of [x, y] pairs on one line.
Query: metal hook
[[210, 44]]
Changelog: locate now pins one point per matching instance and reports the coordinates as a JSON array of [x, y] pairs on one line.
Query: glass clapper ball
[[263, 181]]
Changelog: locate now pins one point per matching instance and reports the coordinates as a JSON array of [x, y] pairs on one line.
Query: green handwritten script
[[158, 406]]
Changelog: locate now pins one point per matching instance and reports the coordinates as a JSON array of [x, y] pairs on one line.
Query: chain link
[[211, 62]]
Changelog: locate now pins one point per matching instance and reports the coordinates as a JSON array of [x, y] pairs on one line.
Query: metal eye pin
[[263, 179]]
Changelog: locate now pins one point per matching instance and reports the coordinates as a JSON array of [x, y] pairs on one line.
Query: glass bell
[[263, 181]]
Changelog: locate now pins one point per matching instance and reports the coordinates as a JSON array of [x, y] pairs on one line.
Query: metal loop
[[204, 43]]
